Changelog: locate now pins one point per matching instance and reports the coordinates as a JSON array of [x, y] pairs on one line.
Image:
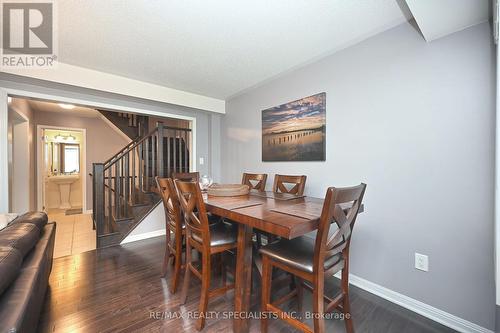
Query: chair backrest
[[341, 206], [171, 204], [195, 213], [186, 176], [298, 184], [259, 180]]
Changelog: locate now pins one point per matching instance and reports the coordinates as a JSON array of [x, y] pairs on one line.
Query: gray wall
[[415, 121], [21, 106], [102, 141]]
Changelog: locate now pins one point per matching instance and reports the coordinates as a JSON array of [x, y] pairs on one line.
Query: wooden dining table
[[280, 214]]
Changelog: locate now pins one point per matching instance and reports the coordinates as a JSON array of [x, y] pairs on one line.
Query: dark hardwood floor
[[120, 289]]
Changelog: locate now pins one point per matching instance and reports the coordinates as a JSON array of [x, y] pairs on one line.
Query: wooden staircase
[[133, 125], [124, 189]]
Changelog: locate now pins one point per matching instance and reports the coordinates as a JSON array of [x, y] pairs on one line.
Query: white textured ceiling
[[78, 111], [213, 48], [438, 18]]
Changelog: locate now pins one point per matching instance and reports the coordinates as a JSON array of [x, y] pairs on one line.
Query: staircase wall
[[152, 226]]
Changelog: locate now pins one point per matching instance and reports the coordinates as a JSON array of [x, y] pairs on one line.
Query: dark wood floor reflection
[[119, 289]]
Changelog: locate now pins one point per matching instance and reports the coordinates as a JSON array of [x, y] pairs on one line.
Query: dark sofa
[[26, 251]]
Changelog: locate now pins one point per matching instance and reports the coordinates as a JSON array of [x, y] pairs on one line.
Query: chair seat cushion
[[297, 253], [220, 234], [21, 236], [10, 264], [37, 218]]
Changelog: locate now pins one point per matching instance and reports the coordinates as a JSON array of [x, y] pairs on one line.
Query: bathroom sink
[[64, 179], [64, 182]]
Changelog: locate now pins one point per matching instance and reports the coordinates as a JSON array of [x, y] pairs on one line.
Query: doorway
[[61, 156]]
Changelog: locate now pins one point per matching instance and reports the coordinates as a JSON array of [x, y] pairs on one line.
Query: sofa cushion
[[10, 264], [37, 218], [21, 303], [21, 236]]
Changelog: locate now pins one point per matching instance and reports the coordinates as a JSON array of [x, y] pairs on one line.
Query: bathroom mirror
[[69, 157]]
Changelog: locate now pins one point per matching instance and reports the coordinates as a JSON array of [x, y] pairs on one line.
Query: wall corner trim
[[146, 235], [435, 314]]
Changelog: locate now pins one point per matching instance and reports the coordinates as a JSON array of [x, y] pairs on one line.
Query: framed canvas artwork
[[295, 131]]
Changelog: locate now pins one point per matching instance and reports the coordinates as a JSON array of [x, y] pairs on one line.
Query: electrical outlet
[[421, 262], [202, 161]]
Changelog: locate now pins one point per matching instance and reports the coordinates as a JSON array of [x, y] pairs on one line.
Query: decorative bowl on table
[[228, 190]]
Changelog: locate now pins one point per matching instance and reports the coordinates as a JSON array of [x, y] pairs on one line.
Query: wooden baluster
[[98, 208], [175, 151], [181, 160], [117, 188], [153, 156], [133, 181], [126, 179], [110, 194], [146, 166], [141, 166], [188, 150], [160, 158], [169, 169]]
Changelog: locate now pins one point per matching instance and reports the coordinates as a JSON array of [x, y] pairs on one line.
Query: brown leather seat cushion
[[37, 218], [297, 253], [10, 264], [21, 236], [220, 234]]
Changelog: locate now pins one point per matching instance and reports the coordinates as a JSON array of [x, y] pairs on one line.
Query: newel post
[[98, 197], [161, 164]]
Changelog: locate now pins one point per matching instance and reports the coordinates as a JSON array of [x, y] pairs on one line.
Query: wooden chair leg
[[166, 258], [300, 296], [346, 304], [187, 273], [205, 288], [266, 291], [223, 270], [318, 306], [177, 266]]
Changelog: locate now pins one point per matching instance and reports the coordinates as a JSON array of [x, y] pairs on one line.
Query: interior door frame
[[12, 150], [39, 161], [5, 92]]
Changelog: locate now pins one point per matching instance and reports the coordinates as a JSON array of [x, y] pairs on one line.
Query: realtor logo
[[28, 34]]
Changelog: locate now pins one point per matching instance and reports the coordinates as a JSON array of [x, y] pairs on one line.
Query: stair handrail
[[134, 144], [121, 151], [130, 148]]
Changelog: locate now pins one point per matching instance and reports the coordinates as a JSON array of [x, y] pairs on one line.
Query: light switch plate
[[202, 161]]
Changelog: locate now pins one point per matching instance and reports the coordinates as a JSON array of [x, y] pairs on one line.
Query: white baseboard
[[146, 235], [423, 309], [88, 211]]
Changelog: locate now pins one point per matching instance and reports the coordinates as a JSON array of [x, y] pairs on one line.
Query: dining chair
[[175, 229], [207, 239], [256, 181], [194, 177], [311, 260], [297, 183], [186, 176]]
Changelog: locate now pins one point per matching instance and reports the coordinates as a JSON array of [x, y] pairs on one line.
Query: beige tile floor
[[74, 233]]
